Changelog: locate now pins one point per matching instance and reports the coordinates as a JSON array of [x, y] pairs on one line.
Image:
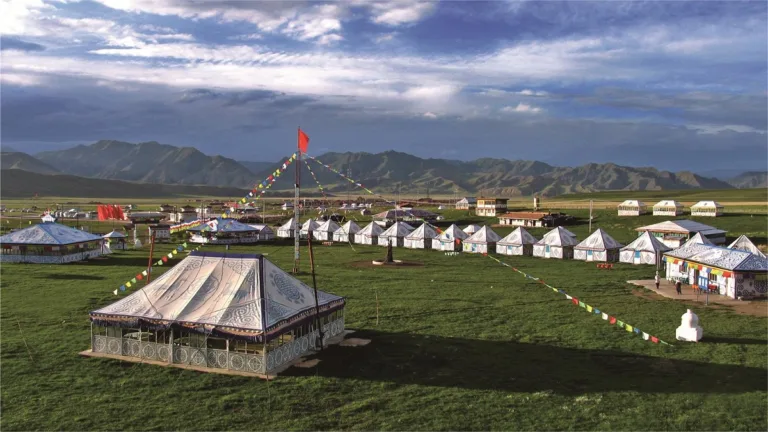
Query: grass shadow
[[731, 340], [69, 276], [408, 359]]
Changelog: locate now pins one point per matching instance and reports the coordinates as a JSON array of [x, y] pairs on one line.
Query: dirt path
[[716, 301]]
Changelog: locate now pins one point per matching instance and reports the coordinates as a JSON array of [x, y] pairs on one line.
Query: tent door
[[589, 256], [546, 251]]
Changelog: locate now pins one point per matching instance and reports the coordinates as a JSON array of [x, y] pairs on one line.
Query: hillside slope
[[23, 161], [751, 179]]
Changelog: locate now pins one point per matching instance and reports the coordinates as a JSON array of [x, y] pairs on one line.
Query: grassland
[[461, 344]]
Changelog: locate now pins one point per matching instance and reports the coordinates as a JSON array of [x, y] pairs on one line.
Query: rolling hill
[[751, 179], [23, 161]]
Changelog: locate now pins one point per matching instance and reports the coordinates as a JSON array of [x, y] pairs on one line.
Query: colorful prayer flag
[[629, 328], [646, 336], [654, 339], [605, 316], [589, 308], [612, 320]]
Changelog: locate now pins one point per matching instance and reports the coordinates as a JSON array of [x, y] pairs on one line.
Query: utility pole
[[296, 214]]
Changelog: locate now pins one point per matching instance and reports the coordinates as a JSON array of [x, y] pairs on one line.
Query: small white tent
[[421, 237], [643, 250], [396, 233], [707, 209], [287, 230], [347, 232], [697, 239], [667, 208], [450, 239], [114, 240], [518, 242], [745, 244], [557, 243], [325, 231], [471, 229], [481, 241], [369, 235], [632, 208], [307, 226], [599, 246]]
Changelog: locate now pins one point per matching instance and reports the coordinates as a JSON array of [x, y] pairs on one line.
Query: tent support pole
[[170, 351], [314, 284]]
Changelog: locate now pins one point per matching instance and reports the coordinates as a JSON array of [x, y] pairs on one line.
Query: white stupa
[[689, 329]]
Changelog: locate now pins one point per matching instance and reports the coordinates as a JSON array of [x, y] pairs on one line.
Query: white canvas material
[[642, 250], [369, 234], [346, 233], [53, 234], [745, 244], [421, 237]]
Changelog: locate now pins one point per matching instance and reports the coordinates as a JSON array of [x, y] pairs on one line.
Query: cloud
[[430, 115], [400, 12], [7, 43], [521, 108]]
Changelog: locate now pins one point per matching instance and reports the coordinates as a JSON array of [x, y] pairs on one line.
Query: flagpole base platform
[[381, 263]]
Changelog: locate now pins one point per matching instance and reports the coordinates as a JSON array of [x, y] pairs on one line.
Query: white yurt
[[421, 237], [288, 229], [346, 233], [745, 244], [518, 242], [369, 235], [450, 239], [482, 241], [558, 243], [325, 231], [396, 234], [307, 226], [643, 250], [599, 246], [471, 229]]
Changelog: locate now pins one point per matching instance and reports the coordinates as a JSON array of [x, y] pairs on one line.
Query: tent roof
[[745, 244], [520, 236], [423, 232], [633, 203], [222, 292], [710, 204], [372, 229], [681, 226], [720, 257], [668, 203], [559, 237], [485, 235], [599, 240], [226, 225], [452, 233], [398, 229], [48, 233], [260, 227], [114, 234], [646, 243], [328, 226], [310, 224], [291, 224], [472, 228], [349, 228], [698, 239]]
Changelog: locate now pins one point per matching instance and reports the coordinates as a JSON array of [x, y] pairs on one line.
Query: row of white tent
[[558, 243]]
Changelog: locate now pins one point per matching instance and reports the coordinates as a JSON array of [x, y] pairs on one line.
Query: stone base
[[382, 262], [689, 334]]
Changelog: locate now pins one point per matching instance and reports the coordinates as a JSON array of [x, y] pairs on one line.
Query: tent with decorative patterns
[[288, 229], [421, 237], [346, 233], [369, 235], [558, 243], [745, 244], [518, 242], [643, 250], [395, 234], [50, 243], [482, 241], [220, 304], [450, 239], [324, 232], [599, 246]]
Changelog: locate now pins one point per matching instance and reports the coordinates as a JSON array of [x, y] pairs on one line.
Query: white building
[[632, 208], [645, 249], [265, 232], [450, 239], [421, 237], [483, 241], [491, 207], [707, 209], [395, 234], [518, 242], [675, 233], [599, 246], [466, 203], [557, 243], [667, 208]]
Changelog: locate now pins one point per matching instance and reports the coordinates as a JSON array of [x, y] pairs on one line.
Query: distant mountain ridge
[[750, 179], [385, 172], [23, 161]]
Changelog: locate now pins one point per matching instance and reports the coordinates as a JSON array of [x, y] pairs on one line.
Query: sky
[[679, 85]]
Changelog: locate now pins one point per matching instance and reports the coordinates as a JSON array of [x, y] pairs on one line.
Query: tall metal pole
[[590, 216], [314, 284], [296, 214]]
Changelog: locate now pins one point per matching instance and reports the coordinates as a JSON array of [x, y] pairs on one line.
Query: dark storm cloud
[[9, 43]]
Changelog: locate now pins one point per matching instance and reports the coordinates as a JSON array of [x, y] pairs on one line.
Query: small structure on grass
[[397, 233], [483, 241], [466, 203], [288, 229], [450, 239], [219, 312], [421, 237], [633, 208], [667, 208], [325, 231], [689, 329], [491, 207], [729, 272], [346, 233], [599, 246], [50, 243], [161, 232], [369, 235], [558, 243], [675, 233], [265, 232], [223, 231], [707, 209], [518, 242], [310, 225], [745, 244], [114, 240], [645, 249]]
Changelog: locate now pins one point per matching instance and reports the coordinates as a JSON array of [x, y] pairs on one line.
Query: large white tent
[[288, 229], [450, 239], [325, 231], [421, 237], [307, 226], [518, 242], [745, 244], [599, 246], [396, 234], [643, 250], [346, 233], [219, 311], [50, 243], [557, 243], [482, 241], [369, 235]]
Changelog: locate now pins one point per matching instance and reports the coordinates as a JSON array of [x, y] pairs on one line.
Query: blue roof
[[227, 225], [48, 234]]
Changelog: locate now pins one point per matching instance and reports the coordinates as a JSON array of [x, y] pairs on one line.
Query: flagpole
[[296, 214]]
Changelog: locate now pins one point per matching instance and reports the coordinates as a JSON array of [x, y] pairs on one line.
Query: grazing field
[[461, 343]]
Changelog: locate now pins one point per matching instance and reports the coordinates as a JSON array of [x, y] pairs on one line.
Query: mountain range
[[387, 172]]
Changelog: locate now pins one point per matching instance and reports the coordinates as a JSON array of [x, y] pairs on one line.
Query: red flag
[[575, 300], [612, 320], [303, 141]]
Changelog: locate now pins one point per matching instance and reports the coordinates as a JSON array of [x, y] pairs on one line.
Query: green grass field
[[462, 343]]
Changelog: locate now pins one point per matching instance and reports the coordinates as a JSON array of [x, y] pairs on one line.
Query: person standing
[[679, 287], [657, 281]]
